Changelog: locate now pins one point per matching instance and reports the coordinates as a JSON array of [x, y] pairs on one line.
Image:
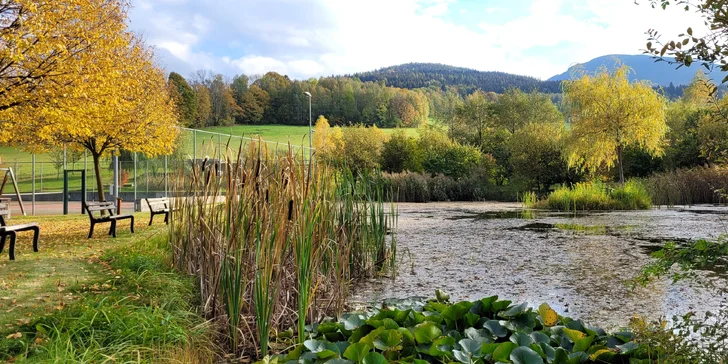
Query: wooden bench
[[13, 230], [105, 211], [158, 206]]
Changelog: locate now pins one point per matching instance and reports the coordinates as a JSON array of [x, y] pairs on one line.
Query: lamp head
[[307, 94]]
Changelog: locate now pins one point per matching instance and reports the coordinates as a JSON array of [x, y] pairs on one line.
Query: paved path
[[56, 207]]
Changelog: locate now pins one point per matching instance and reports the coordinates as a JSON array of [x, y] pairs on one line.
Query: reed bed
[[275, 242], [689, 186], [597, 196]]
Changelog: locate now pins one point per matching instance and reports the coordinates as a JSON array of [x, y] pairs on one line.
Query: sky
[[312, 38]]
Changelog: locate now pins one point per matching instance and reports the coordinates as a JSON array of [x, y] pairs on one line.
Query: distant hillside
[[645, 68], [418, 75]]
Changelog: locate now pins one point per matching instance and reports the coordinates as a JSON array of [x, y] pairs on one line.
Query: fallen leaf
[[16, 335]]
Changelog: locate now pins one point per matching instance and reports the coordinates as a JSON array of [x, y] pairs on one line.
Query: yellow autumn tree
[[609, 113], [327, 141], [47, 44], [119, 101]]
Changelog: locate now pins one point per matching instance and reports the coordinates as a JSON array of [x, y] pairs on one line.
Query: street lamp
[[310, 133]]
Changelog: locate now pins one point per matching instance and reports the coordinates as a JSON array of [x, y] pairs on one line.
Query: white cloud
[[324, 37]]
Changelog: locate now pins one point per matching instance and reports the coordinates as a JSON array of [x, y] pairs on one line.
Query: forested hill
[[420, 75], [643, 68]]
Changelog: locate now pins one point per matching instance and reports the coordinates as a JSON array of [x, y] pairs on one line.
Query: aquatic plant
[[689, 186], [482, 331], [276, 242], [598, 196]]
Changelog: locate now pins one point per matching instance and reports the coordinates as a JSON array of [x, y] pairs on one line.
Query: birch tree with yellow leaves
[[104, 92], [609, 113]]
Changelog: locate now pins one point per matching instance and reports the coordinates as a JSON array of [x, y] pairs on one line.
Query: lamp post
[[310, 133]]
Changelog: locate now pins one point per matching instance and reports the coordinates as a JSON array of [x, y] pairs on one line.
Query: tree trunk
[[621, 165], [97, 171]]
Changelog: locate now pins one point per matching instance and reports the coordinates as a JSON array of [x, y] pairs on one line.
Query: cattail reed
[[276, 242]]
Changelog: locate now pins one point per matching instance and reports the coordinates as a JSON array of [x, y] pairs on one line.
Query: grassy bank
[[596, 196], [98, 300]]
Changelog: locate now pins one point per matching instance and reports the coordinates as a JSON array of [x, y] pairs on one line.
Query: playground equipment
[[65, 189], [9, 173]]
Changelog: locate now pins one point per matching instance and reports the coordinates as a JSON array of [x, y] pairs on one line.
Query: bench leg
[[112, 231], [151, 218], [36, 236], [132, 224], [166, 218], [91, 230], [11, 252], [2, 242]]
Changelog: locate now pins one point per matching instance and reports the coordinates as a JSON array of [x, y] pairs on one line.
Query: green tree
[[400, 153], [254, 105], [362, 147], [535, 152], [204, 108], [184, 96], [239, 87], [515, 109], [474, 118], [608, 113]]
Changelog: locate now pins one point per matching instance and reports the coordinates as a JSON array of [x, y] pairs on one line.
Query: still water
[[579, 264]]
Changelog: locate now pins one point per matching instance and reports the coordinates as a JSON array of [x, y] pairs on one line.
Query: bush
[[400, 153], [598, 196], [688, 186], [362, 147]]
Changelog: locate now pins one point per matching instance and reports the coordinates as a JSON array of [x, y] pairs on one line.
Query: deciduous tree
[[608, 113], [122, 103], [185, 98]]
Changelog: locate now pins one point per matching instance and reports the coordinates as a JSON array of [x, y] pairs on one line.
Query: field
[[207, 144]]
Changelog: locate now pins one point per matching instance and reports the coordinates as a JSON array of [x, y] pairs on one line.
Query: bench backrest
[[4, 213], [92, 207], [158, 204]]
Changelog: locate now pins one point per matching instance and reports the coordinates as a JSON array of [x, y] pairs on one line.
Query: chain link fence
[[40, 177]]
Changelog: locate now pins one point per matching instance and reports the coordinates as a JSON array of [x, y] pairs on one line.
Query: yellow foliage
[[112, 95], [328, 141], [608, 113]]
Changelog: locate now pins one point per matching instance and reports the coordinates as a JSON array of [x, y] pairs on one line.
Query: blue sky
[[311, 38]]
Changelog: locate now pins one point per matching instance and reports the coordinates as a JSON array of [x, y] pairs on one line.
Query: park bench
[[158, 206], [13, 230], [105, 212]]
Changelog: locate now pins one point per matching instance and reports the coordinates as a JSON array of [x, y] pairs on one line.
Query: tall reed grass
[[598, 196], [689, 186], [276, 242]]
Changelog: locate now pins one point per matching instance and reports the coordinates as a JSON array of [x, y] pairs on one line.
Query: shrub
[[598, 196], [400, 153], [688, 186], [407, 187], [362, 147]]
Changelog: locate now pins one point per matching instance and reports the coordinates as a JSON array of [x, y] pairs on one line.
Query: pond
[[579, 264]]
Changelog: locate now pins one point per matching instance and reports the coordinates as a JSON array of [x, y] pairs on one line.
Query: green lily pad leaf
[[498, 306], [628, 348], [548, 351], [561, 356], [322, 349], [525, 322], [420, 361], [583, 344], [388, 340], [357, 351], [525, 355], [339, 361], [489, 348], [488, 304], [471, 319], [602, 355], [540, 337], [352, 322], [457, 311], [442, 347], [462, 357], [374, 358], [471, 347], [496, 328], [427, 333], [503, 351], [328, 327], [521, 339], [482, 335], [370, 337], [514, 311], [441, 296], [408, 339], [436, 307], [390, 324], [295, 354]]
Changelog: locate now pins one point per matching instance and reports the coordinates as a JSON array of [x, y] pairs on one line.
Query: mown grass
[[597, 196], [98, 300]]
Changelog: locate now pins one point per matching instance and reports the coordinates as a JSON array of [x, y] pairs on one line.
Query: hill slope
[[417, 75], [644, 67]]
